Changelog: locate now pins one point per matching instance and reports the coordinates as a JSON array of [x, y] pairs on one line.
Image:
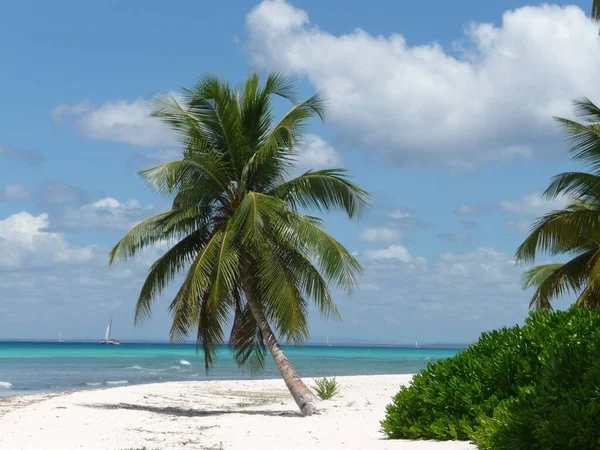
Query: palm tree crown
[[574, 230], [253, 257]]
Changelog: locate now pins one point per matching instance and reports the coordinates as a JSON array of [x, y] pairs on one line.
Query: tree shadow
[[182, 412]]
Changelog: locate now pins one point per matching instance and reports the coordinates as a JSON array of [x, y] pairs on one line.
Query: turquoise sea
[[28, 367]]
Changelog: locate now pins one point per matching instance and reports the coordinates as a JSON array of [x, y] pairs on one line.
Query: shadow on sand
[[181, 412]]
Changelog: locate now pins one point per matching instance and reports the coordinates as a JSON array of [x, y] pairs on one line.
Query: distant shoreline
[[435, 346]]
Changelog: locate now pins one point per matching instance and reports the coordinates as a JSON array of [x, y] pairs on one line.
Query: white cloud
[[68, 286], [379, 235], [121, 121], [15, 192], [315, 153], [421, 103], [533, 205], [400, 214], [397, 252], [468, 210], [65, 109], [453, 297], [107, 213], [24, 242]]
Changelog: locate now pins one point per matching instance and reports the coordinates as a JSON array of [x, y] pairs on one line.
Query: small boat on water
[[108, 337], [59, 337], [417, 344], [328, 344]]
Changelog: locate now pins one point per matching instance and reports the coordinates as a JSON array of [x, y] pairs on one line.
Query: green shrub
[[506, 381], [561, 410], [326, 388]]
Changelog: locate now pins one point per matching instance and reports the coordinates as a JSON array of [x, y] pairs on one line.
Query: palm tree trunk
[[305, 399]]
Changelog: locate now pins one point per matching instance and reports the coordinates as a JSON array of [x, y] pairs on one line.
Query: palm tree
[[239, 226], [596, 10], [574, 230]]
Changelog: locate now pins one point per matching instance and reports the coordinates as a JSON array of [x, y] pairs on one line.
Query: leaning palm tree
[[574, 230], [239, 226]]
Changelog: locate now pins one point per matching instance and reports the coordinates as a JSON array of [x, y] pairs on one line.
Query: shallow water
[[28, 367]]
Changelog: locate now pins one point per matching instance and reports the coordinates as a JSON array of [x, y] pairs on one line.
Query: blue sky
[[441, 110]]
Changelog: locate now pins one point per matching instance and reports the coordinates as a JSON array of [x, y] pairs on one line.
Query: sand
[[257, 414]]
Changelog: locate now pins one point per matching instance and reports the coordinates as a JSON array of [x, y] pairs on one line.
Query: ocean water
[[29, 367]]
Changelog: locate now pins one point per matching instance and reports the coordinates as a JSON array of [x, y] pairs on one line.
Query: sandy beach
[[205, 415]]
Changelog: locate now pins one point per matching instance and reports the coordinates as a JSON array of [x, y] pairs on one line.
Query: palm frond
[[163, 271], [574, 184], [324, 190], [584, 142], [555, 280], [596, 10], [560, 232], [335, 262], [158, 228], [246, 339], [277, 149]]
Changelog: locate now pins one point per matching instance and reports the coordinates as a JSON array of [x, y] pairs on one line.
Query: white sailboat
[[59, 337], [107, 337], [416, 344], [328, 344]]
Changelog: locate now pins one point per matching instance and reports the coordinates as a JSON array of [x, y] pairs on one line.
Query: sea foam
[[117, 382], [93, 384], [5, 385], [136, 367], [183, 362]]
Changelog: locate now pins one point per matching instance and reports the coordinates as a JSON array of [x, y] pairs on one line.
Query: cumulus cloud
[[533, 205], [107, 213], [460, 237], [452, 297], [24, 241], [424, 104], [379, 235], [121, 121], [393, 252], [16, 192], [68, 286], [31, 158], [316, 154]]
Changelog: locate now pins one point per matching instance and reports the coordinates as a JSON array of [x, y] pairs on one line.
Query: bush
[[520, 387], [326, 388], [561, 410]]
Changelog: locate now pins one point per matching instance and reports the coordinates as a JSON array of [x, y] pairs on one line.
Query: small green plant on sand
[[326, 387]]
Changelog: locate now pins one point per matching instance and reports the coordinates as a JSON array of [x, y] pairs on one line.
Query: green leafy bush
[[561, 410], [518, 385], [326, 388]]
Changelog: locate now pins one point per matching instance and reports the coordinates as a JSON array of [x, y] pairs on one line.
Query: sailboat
[[59, 337], [328, 344], [107, 337], [417, 344]]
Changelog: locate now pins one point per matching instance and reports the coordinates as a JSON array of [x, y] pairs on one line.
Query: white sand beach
[[205, 415]]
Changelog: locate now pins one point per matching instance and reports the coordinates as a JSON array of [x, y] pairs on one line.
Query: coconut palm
[[252, 256], [574, 230]]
